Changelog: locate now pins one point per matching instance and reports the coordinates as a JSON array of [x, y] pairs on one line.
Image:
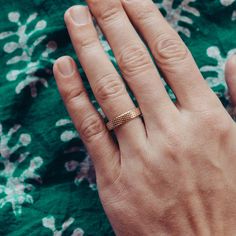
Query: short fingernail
[[80, 15], [65, 66]]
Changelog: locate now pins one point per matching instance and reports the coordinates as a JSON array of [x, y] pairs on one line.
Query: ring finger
[[105, 81]]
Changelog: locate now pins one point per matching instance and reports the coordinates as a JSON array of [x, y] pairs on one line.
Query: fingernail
[[65, 66], [80, 15]]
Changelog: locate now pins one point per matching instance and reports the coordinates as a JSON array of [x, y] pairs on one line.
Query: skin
[[172, 172]]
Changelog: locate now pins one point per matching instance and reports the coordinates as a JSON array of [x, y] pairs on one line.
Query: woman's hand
[[174, 172]]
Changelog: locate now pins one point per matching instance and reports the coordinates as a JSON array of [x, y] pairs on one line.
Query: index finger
[[88, 122]]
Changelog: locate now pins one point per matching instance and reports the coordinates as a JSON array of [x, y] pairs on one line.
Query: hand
[[174, 172]]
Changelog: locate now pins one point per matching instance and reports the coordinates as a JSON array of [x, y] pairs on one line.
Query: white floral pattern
[[49, 222], [15, 184], [228, 3], [175, 15], [67, 135], [218, 69], [27, 75], [84, 171]]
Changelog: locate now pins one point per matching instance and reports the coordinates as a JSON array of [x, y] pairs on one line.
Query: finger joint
[[133, 59], [169, 50], [73, 94], [91, 128], [108, 87], [106, 13], [89, 43]]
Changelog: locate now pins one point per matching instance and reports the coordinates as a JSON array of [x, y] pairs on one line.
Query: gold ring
[[123, 118]]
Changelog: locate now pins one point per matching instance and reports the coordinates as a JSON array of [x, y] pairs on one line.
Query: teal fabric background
[[47, 183]]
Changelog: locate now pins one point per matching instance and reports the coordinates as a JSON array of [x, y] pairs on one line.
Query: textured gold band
[[123, 118]]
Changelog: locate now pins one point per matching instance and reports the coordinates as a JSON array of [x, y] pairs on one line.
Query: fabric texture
[[47, 180]]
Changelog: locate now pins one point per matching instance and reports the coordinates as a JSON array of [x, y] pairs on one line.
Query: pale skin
[[174, 171]]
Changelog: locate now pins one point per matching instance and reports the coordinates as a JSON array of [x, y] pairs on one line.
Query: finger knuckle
[[173, 141], [216, 123], [86, 43], [146, 13], [71, 95], [91, 128], [108, 12], [109, 87], [169, 50], [133, 59]]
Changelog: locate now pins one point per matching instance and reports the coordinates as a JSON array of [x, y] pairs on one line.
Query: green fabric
[[47, 183]]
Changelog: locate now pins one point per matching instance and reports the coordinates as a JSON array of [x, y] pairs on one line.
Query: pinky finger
[[89, 123]]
